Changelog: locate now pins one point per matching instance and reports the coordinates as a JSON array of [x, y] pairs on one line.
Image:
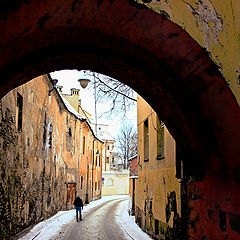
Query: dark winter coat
[[78, 202]]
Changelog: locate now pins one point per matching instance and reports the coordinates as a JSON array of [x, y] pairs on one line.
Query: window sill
[[146, 160], [160, 157]]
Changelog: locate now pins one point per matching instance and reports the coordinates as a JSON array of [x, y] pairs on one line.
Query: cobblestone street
[[98, 223]]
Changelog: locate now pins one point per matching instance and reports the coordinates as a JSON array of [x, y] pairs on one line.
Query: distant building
[[114, 178], [109, 141], [115, 182]]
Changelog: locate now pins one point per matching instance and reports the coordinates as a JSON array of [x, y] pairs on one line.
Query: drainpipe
[[92, 166], [106, 155]]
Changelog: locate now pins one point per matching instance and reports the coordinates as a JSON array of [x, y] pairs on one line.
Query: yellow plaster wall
[[156, 178], [215, 25], [73, 99], [120, 183]]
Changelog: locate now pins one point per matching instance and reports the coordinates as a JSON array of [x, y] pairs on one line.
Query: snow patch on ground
[[53, 226], [128, 224]]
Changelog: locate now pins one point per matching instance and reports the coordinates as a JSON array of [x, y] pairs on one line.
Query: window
[[156, 227], [160, 139], [19, 112], [108, 147], [107, 160], [96, 160], [112, 159], [98, 185], [95, 186], [150, 206], [70, 132], [83, 145], [81, 182], [146, 141], [99, 159], [50, 136], [109, 182]]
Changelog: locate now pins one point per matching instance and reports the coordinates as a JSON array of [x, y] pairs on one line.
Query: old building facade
[[48, 154], [157, 192]]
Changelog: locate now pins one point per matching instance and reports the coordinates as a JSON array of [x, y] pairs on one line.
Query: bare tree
[[127, 140], [121, 97]]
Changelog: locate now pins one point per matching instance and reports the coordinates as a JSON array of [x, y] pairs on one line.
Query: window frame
[[146, 140], [160, 139], [19, 112]]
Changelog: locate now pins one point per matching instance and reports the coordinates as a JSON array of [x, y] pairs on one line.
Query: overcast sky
[[69, 79]]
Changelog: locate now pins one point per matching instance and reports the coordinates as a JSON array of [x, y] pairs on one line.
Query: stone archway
[[155, 57]]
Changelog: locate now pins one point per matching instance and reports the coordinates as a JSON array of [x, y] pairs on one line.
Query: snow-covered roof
[[70, 108], [105, 136], [119, 172]]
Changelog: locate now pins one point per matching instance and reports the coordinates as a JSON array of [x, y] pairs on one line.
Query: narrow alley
[[98, 223], [107, 218]]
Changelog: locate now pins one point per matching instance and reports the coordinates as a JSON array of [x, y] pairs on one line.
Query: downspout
[[92, 166], [106, 155]]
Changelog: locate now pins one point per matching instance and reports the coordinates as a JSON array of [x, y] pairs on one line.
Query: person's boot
[[77, 218]]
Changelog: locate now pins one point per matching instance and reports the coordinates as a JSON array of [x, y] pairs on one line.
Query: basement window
[[19, 112], [156, 227]]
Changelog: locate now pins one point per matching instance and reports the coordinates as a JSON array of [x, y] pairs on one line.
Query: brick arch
[[143, 49]]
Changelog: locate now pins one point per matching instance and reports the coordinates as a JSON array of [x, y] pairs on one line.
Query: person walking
[[78, 203]]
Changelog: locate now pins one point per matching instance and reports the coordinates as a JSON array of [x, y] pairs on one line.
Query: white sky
[[69, 79]]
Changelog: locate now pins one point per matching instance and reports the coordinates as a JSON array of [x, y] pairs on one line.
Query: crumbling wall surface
[[35, 161], [214, 25]]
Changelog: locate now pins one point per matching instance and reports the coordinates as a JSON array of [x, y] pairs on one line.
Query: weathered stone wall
[[38, 161]]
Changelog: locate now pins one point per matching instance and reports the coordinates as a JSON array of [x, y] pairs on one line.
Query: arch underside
[[142, 49]]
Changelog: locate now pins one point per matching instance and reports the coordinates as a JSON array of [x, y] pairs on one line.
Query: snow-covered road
[[106, 218]]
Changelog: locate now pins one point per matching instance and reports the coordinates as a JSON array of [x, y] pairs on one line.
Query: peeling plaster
[[209, 20]]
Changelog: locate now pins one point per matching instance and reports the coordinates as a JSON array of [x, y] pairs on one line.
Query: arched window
[[110, 182]]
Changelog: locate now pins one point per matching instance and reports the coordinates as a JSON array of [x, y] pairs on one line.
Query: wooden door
[[71, 195]]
